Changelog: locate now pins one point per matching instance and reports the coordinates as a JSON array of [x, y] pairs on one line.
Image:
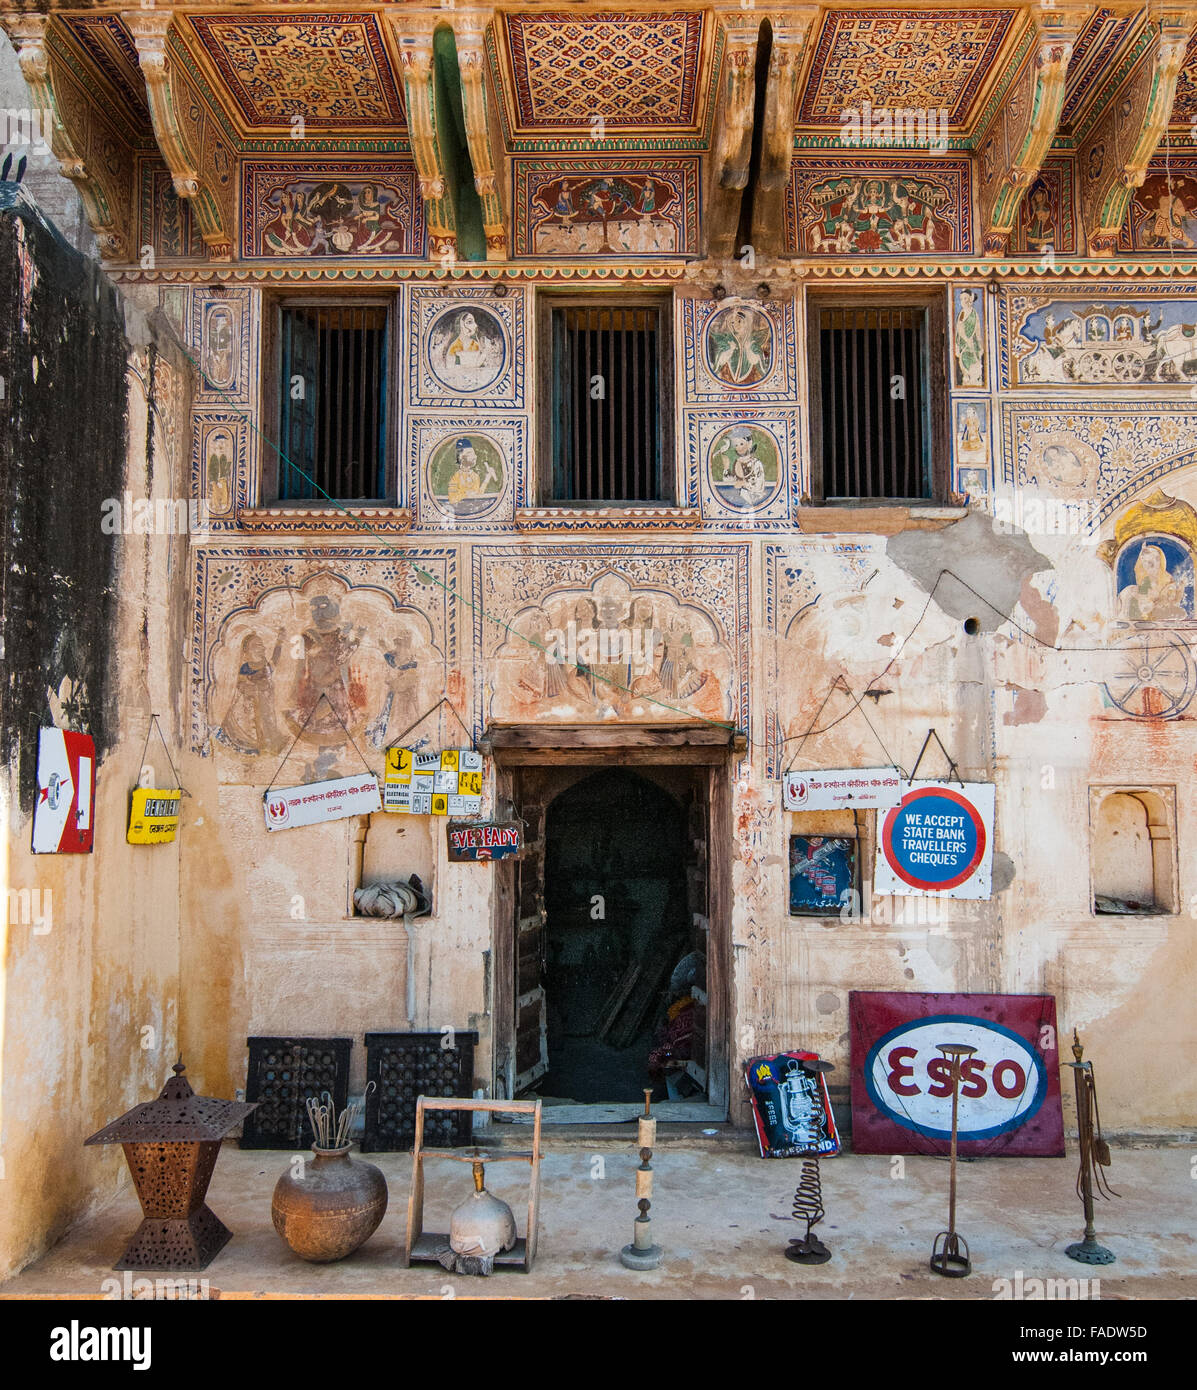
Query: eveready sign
[[860, 788], [471, 843], [316, 802]]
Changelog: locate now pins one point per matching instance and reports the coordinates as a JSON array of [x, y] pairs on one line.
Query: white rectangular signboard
[[841, 789], [317, 802]]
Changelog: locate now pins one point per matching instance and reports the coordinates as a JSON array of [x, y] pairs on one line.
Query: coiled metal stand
[[808, 1200]]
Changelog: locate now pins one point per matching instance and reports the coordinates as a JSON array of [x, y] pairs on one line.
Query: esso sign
[[909, 1080]]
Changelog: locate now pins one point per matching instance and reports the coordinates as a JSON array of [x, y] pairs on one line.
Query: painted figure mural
[[865, 214], [334, 219], [744, 466], [466, 349], [1071, 342], [1163, 213], [465, 474], [968, 340], [739, 346], [323, 667]]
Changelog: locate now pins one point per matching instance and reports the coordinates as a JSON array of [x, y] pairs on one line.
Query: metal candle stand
[[946, 1259], [808, 1197], [642, 1253], [1095, 1155]]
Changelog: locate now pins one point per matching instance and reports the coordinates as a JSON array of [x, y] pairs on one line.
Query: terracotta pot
[[329, 1211]]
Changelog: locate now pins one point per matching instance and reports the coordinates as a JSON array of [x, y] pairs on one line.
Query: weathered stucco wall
[[97, 402]]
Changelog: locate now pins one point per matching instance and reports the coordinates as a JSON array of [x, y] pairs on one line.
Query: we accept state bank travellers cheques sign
[[937, 841]]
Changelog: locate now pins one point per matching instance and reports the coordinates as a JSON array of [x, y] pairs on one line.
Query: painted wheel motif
[[1155, 677], [1127, 366]]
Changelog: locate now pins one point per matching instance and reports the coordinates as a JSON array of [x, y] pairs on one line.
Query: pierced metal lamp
[[171, 1145]]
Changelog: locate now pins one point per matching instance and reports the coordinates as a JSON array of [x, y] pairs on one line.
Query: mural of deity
[[1164, 213], [325, 667], [1160, 587], [744, 466], [740, 346], [465, 474], [1040, 220], [968, 340], [612, 653], [862, 213], [466, 349], [334, 218]]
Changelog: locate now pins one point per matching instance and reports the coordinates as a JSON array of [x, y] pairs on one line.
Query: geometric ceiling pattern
[[331, 69], [632, 70], [912, 59]]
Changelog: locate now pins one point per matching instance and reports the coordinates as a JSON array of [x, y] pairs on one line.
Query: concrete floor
[[721, 1214]]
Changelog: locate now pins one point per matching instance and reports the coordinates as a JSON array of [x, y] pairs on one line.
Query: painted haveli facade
[[732, 193]]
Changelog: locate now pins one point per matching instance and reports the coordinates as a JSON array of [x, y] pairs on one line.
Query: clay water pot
[[332, 1209]]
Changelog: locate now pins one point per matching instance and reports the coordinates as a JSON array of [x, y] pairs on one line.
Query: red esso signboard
[[1009, 1098]]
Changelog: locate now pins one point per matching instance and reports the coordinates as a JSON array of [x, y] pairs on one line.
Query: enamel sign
[[64, 813], [317, 802], [448, 783], [841, 789], [1009, 1099], [154, 815], [474, 844], [937, 841]]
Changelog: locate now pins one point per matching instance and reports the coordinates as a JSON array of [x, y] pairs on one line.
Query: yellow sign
[[154, 815], [447, 783]]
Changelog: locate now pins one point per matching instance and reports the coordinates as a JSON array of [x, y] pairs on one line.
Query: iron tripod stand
[[951, 1259], [1095, 1155]]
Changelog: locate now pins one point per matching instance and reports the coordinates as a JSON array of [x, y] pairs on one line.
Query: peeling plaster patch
[[827, 1003], [886, 641], [1045, 621], [1030, 706], [1003, 871], [998, 567], [943, 952], [908, 973]]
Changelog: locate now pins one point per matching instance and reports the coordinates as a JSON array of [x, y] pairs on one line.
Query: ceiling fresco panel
[[903, 59], [331, 69], [108, 44], [632, 70]]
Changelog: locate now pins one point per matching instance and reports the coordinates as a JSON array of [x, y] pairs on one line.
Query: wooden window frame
[[271, 398], [931, 304], [669, 482]]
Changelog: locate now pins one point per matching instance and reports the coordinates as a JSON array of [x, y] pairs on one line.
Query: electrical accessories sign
[[937, 841], [154, 815], [841, 789], [474, 844], [317, 802], [448, 783], [64, 813], [1009, 1098]]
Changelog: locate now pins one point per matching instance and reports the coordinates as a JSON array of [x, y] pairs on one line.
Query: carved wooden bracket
[[413, 40], [791, 31], [201, 163], [1115, 154], [482, 137], [1014, 147], [89, 153], [731, 149]]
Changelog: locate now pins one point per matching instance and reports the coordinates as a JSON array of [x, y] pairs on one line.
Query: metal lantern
[[171, 1145]]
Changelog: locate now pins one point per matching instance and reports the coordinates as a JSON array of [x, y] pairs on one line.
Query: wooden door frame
[[706, 746]]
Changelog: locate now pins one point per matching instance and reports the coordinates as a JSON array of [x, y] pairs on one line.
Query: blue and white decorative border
[[701, 385], [702, 428]]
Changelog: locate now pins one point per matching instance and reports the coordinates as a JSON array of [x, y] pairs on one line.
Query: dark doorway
[[617, 925]]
